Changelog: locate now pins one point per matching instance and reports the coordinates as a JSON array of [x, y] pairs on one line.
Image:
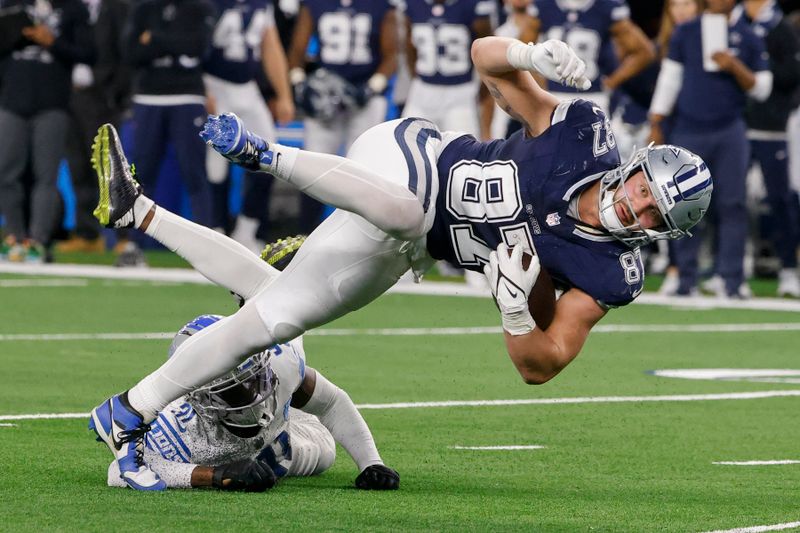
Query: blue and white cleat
[[122, 428], [227, 135]]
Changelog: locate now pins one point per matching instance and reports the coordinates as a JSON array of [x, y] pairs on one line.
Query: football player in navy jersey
[[593, 28], [707, 107], [408, 194], [444, 88], [245, 39], [357, 44]]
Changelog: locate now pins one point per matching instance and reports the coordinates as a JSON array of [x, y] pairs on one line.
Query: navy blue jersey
[[518, 190], [588, 31], [236, 44], [349, 35], [711, 100], [442, 34]]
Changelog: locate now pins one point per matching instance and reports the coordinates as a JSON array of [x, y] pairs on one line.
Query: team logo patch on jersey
[[553, 219]]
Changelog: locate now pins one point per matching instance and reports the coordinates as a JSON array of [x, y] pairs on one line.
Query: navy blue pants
[[156, 126], [727, 153], [773, 158]]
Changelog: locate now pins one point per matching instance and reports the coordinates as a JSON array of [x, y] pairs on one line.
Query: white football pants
[[344, 264], [451, 107]]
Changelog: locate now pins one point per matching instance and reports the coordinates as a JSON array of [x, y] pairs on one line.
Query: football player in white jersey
[[409, 193], [249, 417], [253, 426]]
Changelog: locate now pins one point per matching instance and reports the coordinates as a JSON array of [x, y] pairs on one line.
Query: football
[[542, 300]]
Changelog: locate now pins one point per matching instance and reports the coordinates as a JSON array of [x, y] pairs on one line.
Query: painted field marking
[[498, 448], [54, 282], [480, 330], [754, 375], [494, 403], [405, 286], [758, 463], [758, 529], [8, 425]]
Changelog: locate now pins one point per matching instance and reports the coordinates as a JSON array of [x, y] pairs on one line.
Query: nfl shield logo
[[553, 219]]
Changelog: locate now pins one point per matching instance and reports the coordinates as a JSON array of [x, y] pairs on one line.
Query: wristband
[[377, 83], [518, 322], [519, 54]]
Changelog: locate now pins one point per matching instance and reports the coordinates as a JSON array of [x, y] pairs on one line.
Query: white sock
[[141, 206], [348, 185], [336, 411], [219, 258]]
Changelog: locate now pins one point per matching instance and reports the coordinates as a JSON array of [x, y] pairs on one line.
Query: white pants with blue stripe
[[347, 262]]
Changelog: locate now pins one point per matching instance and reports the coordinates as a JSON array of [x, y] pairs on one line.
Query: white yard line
[[405, 286], [8, 425], [759, 529], [495, 403], [499, 448], [758, 463], [487, 330], [51, 282]]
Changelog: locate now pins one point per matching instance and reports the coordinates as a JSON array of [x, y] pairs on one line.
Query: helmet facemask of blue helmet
[[244, 398], [679, 181]]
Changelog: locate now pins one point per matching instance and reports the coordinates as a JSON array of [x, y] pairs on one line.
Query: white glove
[[553, 59], [511, 285]]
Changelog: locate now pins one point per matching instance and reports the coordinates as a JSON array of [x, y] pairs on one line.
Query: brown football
[[542, 300]]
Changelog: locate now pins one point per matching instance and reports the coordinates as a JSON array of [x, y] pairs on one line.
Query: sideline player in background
[[357, 43], [246, 39], [444, 88], [599, 31], [415, 194]]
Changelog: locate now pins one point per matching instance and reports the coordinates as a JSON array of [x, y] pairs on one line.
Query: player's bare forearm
[[303, 29], [541, 354], [636, 49], [388, 37], [515, 91], [275, 63]]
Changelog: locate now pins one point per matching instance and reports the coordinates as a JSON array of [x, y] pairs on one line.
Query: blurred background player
[[100, 94], [165, 42], [521, 23], [271, 417], [358, 48], [604, 37], [35, 82], [444, 86], [707, 108], [766, 123], [245, 40]]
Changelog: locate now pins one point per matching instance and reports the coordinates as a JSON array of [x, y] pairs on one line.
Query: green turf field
[[605, 466]]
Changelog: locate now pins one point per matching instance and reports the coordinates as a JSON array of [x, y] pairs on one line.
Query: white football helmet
[[244, 398], [680, 182]]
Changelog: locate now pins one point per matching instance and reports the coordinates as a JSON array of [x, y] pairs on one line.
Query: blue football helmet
[[680, 182]]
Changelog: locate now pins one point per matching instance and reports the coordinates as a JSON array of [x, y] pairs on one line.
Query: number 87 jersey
[[524, 190]]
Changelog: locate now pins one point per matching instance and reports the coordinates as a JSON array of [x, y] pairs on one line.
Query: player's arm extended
[[273, 60], [636, 50], [303, 29], [337, 412], [514, 90], [541, 354], [249, 475]]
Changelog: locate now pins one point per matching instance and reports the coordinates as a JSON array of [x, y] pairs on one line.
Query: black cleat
[[118, 188]]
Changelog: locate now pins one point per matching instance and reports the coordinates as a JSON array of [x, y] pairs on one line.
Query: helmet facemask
[[242, 399], [614, 195]]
